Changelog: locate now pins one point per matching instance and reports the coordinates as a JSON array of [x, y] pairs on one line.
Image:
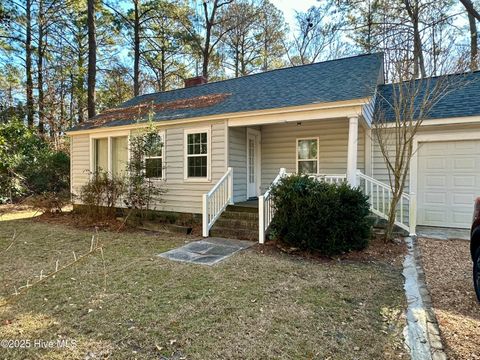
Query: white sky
[[289, 6]]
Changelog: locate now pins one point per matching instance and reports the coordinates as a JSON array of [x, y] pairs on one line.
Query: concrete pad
[[207, 252], [442, 233]]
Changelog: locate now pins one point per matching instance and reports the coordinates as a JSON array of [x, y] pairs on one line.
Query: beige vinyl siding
[[238, 161], [80, 161], [279, 147], [379, 166], [185, 195]]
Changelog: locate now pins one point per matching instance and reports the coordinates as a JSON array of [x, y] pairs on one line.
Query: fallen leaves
[[448, 270], [148, 105]]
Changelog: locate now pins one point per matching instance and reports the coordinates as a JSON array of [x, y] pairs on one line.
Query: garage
[[448, 182]]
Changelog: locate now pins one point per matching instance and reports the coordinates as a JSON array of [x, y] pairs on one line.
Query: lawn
[[258, 304]]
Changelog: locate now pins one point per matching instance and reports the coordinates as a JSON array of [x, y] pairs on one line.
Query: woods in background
[[62, 61]]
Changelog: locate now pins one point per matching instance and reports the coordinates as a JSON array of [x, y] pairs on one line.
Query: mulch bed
[[448, 272], [378, 250]]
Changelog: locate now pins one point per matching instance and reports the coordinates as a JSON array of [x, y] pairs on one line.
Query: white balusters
[[216, 200]]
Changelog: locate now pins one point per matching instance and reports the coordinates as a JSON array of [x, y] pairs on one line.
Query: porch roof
[[330, 81]]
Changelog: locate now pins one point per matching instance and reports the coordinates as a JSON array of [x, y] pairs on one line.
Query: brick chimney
[[195, 81]]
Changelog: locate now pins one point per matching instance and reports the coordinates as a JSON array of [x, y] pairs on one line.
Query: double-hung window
[[197, 154], [154, 157], [307, 156]]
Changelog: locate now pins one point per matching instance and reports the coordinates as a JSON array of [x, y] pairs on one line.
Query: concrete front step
[[242, 234]]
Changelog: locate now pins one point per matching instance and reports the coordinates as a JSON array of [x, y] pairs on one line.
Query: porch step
[[237, 222], [240, 215], [229, 233], [379, 225], [242, 208]]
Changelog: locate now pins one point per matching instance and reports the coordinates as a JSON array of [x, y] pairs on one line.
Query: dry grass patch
[[252, 306], [448, 271]]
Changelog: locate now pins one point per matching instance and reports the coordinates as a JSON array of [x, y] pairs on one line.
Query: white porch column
[[352, 150]]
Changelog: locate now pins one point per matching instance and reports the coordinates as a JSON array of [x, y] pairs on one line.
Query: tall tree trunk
[[80, 82], [208, 35], [473, 42], [471, 9], [40, 56], [163, 70], [92, 58], [419, 62], [28, 62], [72, 97], [136, 49]]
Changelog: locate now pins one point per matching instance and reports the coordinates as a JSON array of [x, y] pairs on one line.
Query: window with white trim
[[307, 156], [111, 155], [154, 158], [197, 154]]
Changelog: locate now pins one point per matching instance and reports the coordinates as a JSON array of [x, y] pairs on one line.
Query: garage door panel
[[464, 164], [448, 182], [462, 199], [436, 180], [435, 198], [435, 217], [460, 181], [460, 216], [437, 147], [464, 147], [435, 164]]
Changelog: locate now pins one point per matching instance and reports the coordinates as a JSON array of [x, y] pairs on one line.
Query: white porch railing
[[266, 209], [216, 200], [331, 179], [380, 197]]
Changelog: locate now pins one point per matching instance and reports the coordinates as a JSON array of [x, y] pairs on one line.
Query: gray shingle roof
[[336, 80], [462, 97]]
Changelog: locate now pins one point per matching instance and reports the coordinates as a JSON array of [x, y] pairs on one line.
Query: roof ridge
[[261, 73]]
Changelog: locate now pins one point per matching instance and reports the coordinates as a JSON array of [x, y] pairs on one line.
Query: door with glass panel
[[253, 163]]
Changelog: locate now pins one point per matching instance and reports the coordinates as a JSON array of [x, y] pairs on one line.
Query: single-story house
[[225, 142]]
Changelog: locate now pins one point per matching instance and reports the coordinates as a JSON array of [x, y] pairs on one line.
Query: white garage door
[[448, 182]]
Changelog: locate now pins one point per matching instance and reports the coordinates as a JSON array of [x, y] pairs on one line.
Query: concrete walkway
[[442, 233], [207, 252]]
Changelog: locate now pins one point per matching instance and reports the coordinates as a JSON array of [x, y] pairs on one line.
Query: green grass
[[251, 306]]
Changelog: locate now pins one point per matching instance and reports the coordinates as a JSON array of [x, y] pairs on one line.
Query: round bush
[[318, 216]]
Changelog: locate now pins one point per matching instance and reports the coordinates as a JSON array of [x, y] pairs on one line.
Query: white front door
[[448, 182], [253, 163]]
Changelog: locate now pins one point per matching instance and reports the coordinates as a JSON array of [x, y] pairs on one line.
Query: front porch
[[330, 147], [332, 150]]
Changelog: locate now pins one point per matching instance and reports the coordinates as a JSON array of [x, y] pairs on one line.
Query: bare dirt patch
[[448, 272]]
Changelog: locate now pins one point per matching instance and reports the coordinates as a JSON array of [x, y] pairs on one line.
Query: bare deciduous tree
[[401, 109]]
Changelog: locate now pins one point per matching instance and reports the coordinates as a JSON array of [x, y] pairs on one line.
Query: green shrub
[[49, 173], [319, 216], [29, 164], [101, 195]]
